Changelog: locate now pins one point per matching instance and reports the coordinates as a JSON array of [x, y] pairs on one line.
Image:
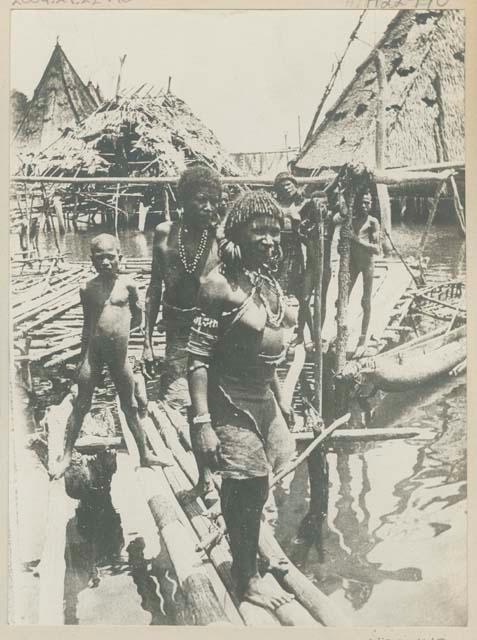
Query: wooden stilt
[[382, 190]]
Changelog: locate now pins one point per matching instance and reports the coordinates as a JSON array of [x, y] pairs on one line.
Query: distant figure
[[111, 308], [293, 267], [315, 209], [365, 244]]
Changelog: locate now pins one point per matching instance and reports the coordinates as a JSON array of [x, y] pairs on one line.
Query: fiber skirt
[[254, 437]]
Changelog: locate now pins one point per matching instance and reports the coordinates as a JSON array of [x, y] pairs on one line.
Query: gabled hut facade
[[424, 63], [138, 133], [61, 99]]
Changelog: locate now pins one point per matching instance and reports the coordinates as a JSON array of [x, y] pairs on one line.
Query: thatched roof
[[18, 107], [424, 59], [264, 163], [61, 99], [95, 93], [138, 133]]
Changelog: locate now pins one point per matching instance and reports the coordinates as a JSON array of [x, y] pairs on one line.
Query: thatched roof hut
[[61, 99], [424, 61], [138, 133]]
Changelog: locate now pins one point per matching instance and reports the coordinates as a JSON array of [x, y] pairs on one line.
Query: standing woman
[[240, 421]]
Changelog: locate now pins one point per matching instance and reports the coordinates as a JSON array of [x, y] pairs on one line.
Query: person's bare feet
[[57, 469], [166, 459], [264, 594]]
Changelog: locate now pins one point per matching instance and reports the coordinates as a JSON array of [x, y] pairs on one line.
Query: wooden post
[[317, 320], [58, 206], [343, 283], [118, 83], [381, 142], [165, 194], [116, 211], [431, 216], [458, 208]]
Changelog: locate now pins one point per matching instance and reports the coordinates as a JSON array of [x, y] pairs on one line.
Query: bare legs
[[123, 379], [242, 503]]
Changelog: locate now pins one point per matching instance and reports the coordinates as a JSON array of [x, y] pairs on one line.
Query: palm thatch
[[61, 99], [424, 62], [137, 133], [18, 107], [95, 93]]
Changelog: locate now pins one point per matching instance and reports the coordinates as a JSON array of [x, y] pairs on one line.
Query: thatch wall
[[424, 59], [138, 134]]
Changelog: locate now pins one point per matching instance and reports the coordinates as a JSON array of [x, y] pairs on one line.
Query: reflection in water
[[94, 538], [359, 520]]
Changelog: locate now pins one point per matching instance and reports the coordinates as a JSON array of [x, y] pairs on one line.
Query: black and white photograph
[[238, 319]]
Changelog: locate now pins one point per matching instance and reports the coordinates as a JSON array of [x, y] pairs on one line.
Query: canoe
[[416, 362]]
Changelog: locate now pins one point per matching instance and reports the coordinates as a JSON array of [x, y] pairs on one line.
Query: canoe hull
[[402, 370]]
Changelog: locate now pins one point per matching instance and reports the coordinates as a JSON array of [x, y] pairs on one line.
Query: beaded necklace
[[191, 267], [256, 278]]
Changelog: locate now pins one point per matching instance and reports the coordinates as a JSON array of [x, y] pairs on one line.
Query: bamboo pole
[[361, 435], [317, 309], [122, 60], [59, 214], [391, 177], [311, 447], [381, 144], [458, 208], [116, 212], [432, 213]]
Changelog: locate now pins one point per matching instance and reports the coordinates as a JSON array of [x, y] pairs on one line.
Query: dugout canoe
[[416, 362]]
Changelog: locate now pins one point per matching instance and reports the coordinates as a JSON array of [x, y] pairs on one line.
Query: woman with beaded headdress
[[184, 252], [240, 421]]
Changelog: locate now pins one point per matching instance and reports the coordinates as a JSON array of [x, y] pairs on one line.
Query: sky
[[249, 75]]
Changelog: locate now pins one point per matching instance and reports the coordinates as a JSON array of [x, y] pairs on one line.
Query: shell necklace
[[192, 266], [256, 278]]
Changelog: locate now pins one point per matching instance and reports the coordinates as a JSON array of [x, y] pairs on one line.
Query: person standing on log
[[292, 270], [111, 308], [240, 419], [184, 253], [365, 244], [313, 210]]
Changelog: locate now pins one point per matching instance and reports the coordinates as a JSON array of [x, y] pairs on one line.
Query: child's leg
[[124, 382], [87, 378]]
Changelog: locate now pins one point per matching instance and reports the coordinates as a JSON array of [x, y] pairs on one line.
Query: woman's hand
[[288, 413], [208, 444]]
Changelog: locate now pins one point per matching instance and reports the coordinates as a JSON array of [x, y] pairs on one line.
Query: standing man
[[184, 253], [365, 245]]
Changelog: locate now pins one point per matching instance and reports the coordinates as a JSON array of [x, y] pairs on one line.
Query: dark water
[[393, 550]]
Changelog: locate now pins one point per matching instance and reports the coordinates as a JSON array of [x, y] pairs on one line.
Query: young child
[[365, 234], [111, 308]]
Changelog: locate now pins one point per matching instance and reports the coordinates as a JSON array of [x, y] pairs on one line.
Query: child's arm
[[134, 305]]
